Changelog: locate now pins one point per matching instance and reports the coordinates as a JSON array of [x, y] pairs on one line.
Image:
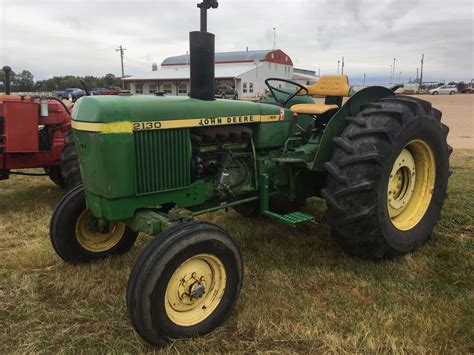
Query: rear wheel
[[70, 163], [185, 283], [387, 178], [54, 173], [77, 236], [451, 93]]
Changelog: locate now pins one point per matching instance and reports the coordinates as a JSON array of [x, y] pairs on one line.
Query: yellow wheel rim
[[92, 238], [195, 290], [411, 184]]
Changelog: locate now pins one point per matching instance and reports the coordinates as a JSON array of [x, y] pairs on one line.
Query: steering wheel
[[290, 96]]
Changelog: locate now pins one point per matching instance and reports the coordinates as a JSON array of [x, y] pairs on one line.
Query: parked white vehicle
[[445, 89]]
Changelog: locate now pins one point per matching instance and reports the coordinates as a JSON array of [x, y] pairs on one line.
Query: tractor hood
[[136, 110]]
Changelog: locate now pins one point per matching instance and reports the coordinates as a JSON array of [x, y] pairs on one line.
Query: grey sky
[[79, 37]]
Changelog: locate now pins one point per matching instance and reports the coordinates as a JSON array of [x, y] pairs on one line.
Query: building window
[[273, 55], [138, 88], [286, 58], [250, 87], [167, 88], [244, 87], [153, 88], [182, 89]]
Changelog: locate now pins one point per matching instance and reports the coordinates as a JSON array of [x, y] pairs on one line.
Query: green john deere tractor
[[151, 164]]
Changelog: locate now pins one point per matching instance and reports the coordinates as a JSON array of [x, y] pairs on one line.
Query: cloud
[[56, 37]]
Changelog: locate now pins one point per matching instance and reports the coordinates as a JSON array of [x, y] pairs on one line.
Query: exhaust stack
[[202, 50], [7, 70]]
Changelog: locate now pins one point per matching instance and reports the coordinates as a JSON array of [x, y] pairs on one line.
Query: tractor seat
[[312, 109], [333, 87]]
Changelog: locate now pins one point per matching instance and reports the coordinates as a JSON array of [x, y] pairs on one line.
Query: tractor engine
[[223, 155], [32, 133]]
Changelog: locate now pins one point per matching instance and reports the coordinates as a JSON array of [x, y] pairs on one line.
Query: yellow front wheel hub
[[411, 185], [195, 290], [95, 239]]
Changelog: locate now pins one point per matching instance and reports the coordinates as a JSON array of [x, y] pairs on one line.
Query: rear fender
[[338, 122]]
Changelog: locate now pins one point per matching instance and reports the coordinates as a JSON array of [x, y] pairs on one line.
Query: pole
[[400, 77], [393, 68], [121, 50], [319, 72], [338, 62], [391, 72], [342, 66], [421, 69], [274, 38], [417, 75], [364, 79]]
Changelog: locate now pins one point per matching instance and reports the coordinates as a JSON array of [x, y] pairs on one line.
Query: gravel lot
[[458, 114]]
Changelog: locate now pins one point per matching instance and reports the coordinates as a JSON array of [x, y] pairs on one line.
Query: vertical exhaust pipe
[[202, 51], [7, 70]]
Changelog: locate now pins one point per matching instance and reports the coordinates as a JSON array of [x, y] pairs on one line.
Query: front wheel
[[387, 178], [435, 93], [78, 237], [451, 93], [185, 283]]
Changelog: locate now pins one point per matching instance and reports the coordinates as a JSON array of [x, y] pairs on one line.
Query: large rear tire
[[76, 235], [54, 173], [387, 178], [185, 283], [70, 163]]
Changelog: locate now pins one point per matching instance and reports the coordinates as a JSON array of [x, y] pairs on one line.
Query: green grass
[[301, 292]]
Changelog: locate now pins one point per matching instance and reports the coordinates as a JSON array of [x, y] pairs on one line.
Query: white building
[[304, 76], [246, 71]]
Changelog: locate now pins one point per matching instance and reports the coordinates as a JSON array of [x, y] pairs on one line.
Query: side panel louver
[[163, 160]]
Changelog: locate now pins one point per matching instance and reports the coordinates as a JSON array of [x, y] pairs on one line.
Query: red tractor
[[35, 133]]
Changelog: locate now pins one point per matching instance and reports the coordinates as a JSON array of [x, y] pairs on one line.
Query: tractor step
[[291, 219], [296, 217]]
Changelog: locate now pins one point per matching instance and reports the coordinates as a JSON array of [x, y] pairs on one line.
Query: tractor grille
[[163, 160]]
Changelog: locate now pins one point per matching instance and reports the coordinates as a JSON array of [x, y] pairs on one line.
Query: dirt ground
[[458, 114]]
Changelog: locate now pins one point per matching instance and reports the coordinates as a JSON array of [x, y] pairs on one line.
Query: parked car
[[445, 89], [68, 92], [226, 91], [104, 91]]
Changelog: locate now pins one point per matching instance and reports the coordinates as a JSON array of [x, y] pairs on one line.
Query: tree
[[109, 79], [23, 81]]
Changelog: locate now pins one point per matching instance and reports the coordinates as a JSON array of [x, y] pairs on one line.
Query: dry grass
[[301, 292]]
